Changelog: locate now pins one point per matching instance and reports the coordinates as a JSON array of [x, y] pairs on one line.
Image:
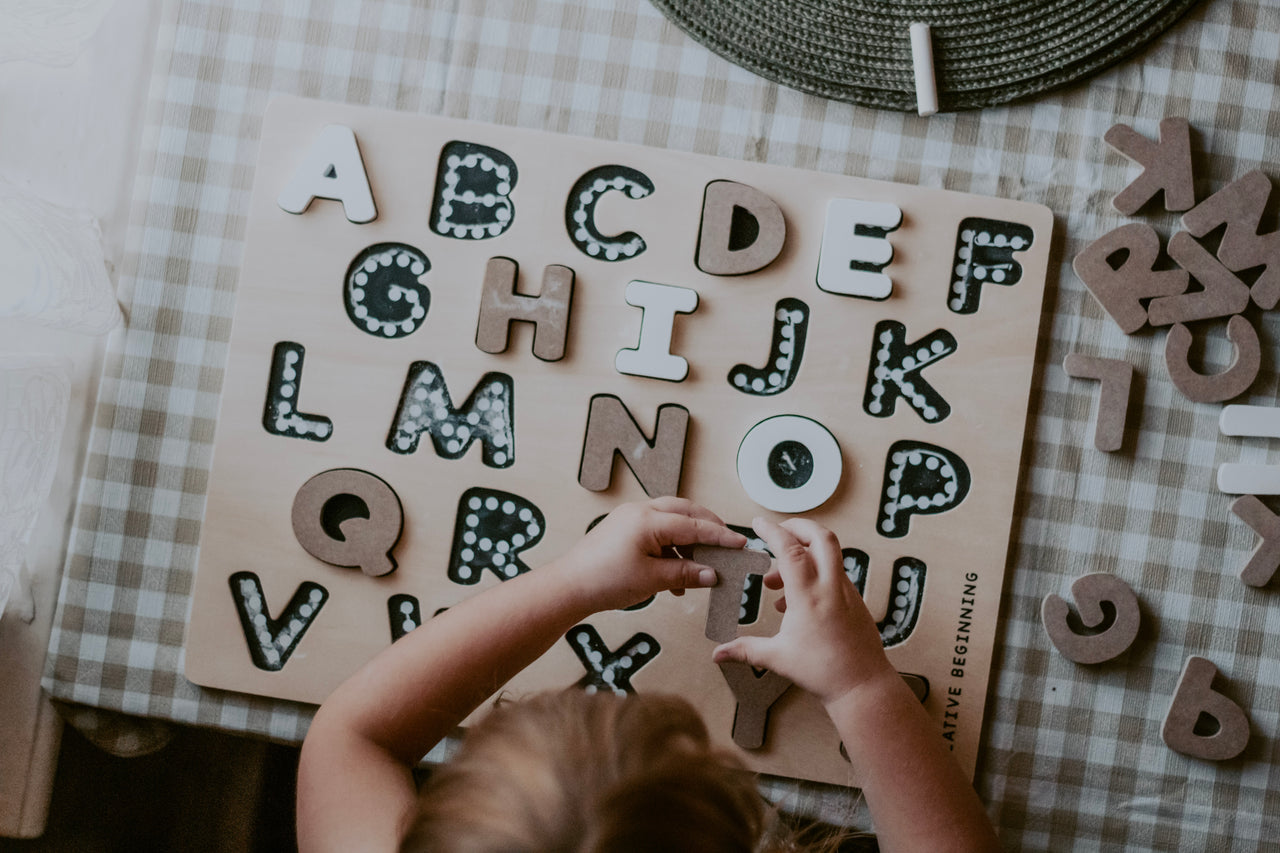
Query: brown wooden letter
[[743, 230], [1166, 165], [361, 538], [500, 306], [1216, 388], [755, 693], [1116, 378], [1195, 696], [1224, 293], [612, 430], [1090, 591], [1265, 559], [1240, 204], [1118, 290], [732, 566]]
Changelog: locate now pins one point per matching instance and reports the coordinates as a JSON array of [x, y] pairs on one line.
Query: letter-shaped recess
[[487, 415], [403, 615], [789, 463], [1264, 562], [1184, 730], [984, 255], [742, 230], [919, 479], [894, 371], [612, 430], [473, 192], [733, 566], [755, 692], [1217, 387], [1119, 287], [906, 596], [855, 248], [500, 306], [332, 168], [272, 641], [1116, 378], [660, 303], [1224, 293], [580, 212], [786, 350], [384, 291], [1166, 166], [1240, 205], [281, 414], [609, 670], [491, 531], [1109, 615], [348, 517]]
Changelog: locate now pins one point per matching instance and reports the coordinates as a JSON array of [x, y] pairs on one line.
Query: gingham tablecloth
[[1072, 756]]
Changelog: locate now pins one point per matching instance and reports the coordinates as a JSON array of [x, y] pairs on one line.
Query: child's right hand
[[828, 643]]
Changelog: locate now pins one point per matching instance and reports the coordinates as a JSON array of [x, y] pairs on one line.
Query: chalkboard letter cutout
[[856, 249], [652, 357], [1101, 641], [919, 479], [984, 255], [403, 615], [501, 305], [906, 596], [472, 200], [281, 415], [488, 416], [789, 463], [755, 693], [894, 372], [332, 168], [490, 532], [610, 670], [1120, 288], [786, 351], [733, 566], [348, 517], [1241, 205], [580, 212], [742, 230], [1224, 293], [272, 641], [1195, 698], [1218, 387], [611, 430], [384, 290], [1166, 166], [1116, 378], [1265, 559]]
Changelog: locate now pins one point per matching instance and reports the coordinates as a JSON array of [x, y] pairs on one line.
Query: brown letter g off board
[[899, 418]]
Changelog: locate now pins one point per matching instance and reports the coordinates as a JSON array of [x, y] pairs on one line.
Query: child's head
[[576, 772]]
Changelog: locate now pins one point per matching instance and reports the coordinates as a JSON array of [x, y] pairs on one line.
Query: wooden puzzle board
[[292, 290]]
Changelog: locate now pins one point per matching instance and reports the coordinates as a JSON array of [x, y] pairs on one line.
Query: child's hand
[[624, 559], [828, 643]]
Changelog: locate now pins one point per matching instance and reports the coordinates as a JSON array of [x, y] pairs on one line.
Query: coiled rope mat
[[986, 52]]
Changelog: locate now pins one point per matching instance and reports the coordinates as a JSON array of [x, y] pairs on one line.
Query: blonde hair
[[584, 773]]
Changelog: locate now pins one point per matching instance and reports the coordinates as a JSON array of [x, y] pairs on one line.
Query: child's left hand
[[623, 561]]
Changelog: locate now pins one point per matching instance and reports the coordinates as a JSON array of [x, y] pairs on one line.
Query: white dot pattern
[[488, 416], [272, 641], [894, 372], [492, 529], [984, 253], [786, 350], [473, 192], [385, 291], [281, 415], [580, 212], [919, 479], [606, 670]]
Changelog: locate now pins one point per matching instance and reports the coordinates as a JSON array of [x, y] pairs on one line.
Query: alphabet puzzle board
[[762, 340]]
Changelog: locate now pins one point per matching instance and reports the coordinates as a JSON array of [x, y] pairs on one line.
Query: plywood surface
[[292, 290]]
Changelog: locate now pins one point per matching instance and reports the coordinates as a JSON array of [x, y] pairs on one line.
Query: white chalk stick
[[922, 60], [1253, 421]]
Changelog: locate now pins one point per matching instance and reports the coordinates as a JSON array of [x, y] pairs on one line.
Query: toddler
[[571, 772]]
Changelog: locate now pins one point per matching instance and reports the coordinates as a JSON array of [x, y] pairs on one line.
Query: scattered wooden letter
[[1240, 205], [330, 524], [1194, 697], [1224, 293], [1090, 592], [755, 693], [743, 230], [1119, 289], [1265, 559], [1215, 388], [1166, 166], [1116, 378], [732, 565]]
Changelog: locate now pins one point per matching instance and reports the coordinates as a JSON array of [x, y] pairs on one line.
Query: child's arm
[[828, 644], [355, 783]]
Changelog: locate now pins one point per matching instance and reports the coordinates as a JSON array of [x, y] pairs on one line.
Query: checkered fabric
[[1073, 757]]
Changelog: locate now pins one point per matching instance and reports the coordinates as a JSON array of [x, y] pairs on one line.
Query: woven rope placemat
[[986, 52]]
